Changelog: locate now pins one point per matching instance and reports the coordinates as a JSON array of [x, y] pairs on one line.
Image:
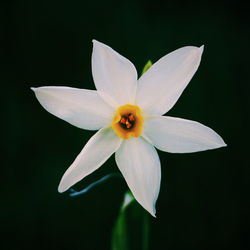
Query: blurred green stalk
[[131, 229]]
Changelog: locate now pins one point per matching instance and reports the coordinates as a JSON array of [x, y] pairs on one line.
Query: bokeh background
[[204, 197]]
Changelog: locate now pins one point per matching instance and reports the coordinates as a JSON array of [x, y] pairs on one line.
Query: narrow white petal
[[97, 150], [139, 163], [80, 107], [178, 135], [161, 86], [113, 74]]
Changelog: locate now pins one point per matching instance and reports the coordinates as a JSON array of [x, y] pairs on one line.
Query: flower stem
[[132, 226]]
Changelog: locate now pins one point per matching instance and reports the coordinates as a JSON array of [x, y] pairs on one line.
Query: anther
[[128, 124], [123, 120], [131, 117], [127, 121]]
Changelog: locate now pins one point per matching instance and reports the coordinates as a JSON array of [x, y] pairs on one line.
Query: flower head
[[128, 114]]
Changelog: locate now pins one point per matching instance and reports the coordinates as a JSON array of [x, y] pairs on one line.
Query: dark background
[[204, 197]]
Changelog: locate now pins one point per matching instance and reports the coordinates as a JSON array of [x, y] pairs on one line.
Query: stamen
[[127, 121], [128, 124], [131, 117], [123, 120]]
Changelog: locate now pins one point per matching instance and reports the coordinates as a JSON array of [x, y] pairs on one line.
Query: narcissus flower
[[128, 114]]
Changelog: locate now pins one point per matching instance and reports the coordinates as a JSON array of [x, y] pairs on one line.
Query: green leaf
[[146, 67]]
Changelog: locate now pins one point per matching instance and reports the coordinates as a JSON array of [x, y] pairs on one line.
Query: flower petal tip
[[61, 188], [95, 42], [221, 143], [33, 89], [201, 48], [153, 214]]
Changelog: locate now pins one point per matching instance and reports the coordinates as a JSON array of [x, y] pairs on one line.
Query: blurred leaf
[[146, 67]]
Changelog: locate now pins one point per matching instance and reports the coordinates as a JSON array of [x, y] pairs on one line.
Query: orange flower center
[[128, 121]]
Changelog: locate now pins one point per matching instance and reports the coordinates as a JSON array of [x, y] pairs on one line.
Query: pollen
[[128, 121]]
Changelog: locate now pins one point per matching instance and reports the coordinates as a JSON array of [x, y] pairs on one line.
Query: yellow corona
[[128, 121]]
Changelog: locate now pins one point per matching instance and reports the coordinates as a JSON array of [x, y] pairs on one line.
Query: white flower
[[128, 114]]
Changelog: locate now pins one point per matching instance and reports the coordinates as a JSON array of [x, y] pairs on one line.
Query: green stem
[[132, 227]]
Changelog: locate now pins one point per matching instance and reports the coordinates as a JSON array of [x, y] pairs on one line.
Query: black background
[[204, 197]]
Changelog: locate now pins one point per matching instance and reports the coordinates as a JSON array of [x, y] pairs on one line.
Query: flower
[[129, 116]]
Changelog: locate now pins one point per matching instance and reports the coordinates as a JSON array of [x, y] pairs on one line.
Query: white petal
[[161, 86], [113, 74], [80, 107], [97, 150], [178, 135], [139, 163]]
